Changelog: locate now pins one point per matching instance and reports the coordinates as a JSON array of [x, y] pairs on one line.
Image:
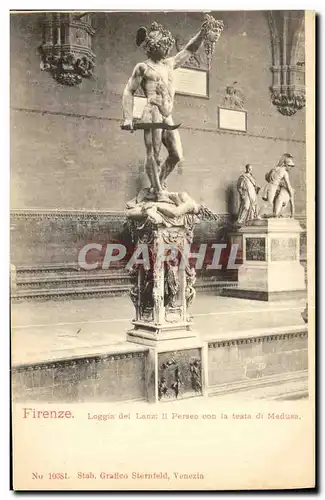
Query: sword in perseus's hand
[[150, 126]]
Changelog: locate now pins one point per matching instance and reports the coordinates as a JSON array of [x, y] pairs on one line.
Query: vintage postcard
[[162, 250]]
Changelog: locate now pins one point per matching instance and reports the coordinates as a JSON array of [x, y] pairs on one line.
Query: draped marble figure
[[248, 189]]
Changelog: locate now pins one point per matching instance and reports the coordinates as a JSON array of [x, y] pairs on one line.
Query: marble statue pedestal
[[162, 295], [270, 268]]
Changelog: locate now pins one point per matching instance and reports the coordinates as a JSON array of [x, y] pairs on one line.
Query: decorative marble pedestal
[[271, 268], [162, 296]]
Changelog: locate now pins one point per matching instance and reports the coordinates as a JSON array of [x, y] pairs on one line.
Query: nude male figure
[[156, 78], [278, 191]]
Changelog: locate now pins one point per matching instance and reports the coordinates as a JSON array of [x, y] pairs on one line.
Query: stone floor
[[54, 329]]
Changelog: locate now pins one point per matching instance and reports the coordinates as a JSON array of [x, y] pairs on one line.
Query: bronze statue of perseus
[[156, 78]]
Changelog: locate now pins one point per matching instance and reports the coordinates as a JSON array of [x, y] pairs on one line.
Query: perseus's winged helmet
[[141, 35], [155, 39]]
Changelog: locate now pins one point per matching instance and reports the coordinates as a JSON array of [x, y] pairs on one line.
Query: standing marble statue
[[156, 78], [278, 191], [248, 189], [233, 99]]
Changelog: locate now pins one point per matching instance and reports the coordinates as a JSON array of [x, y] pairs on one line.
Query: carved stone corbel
[[66, 50], [288, 60]]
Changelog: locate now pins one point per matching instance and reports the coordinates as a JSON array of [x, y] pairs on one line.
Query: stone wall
[[102, 378], [258, 357], [68, 152], [240, 361]]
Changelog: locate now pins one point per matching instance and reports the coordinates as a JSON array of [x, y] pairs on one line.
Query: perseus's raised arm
[[190, 48], [209, 33], [130, 88]]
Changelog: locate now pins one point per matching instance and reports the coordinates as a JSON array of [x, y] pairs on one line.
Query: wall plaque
[[189, 81], [232, 119], [255, 249], [138, 106], [283, 249]]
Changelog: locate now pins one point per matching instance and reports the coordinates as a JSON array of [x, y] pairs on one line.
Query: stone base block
[[176, 362], [271, 268], [152, 335], [267, 296], [272, 276]]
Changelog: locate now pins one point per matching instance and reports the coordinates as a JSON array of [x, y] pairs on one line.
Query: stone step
[[113, 289], [213, 285], [72, 280], [58, 270], [75, 292]]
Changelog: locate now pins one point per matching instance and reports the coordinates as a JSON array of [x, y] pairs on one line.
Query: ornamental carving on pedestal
[[179, 374], [288, 60], [66, 47]]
